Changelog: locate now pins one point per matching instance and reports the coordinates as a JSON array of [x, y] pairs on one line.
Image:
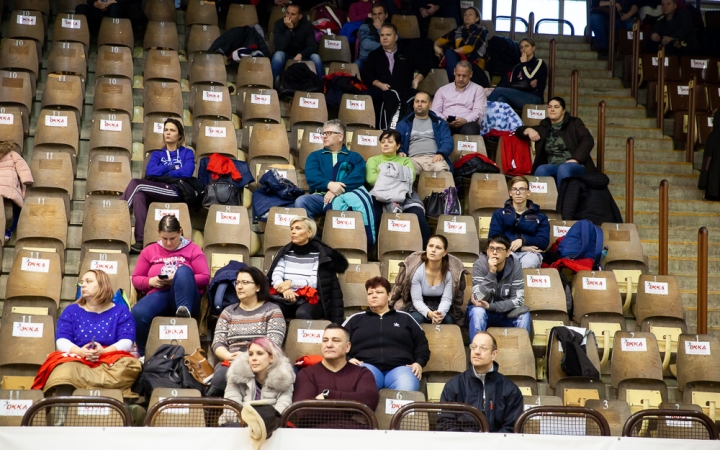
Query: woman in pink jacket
[[14, 176], [170, 273]]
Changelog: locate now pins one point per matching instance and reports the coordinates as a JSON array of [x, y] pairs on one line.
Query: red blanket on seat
[[56, 358]]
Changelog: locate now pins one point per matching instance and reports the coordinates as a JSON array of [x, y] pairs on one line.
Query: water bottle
[[604, 253]]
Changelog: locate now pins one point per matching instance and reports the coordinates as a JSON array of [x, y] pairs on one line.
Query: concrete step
[[584, 66], [684, 265], [576, 54], [625, 132], [658, 145], [678, 234], [577, 46], [642, 179], [616, 112], [680, 168], [592, 99], [680, 249], [588, 81], [651, 191], [644, 155], [545, 38], [611, 121], [689, 283], [675, 219], [562, 72]]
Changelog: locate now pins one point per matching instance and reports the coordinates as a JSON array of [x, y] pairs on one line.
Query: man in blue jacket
[[426, 138], [485, 388], [321, 170]]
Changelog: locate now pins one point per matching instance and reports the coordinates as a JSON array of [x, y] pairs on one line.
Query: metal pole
[[663, 227], [690, 143], [611, 38], [661, 88], [629, 180], [702, 281], [494, 13], [531, 25], [635, 59], [574, 86], [601, 137], [551, 69], [513, 14]]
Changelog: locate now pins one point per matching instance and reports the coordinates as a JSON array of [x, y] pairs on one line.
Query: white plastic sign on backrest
[[56, 121], [27, 330], [306, 336], [111, 125], [399, 225], [212, 96], [14, 408], [35, 265], [344, 223], [306, 102], [71, 23], [160, 213], [393, 404], [315, 138], [655, 61], [7, 119], [333, 44], [364, 139], [697, 348], [284, 219], [179, 332], [560, 231], [538, 188], [109, 267], [356, 105], [594, 284], [633, 344], [538, 281], [537, 114], [260, 99], [653, 287], [26, 20], [467, 146], [683, 90], [215, 132], [455, 227], [698, 63], [227, 218]]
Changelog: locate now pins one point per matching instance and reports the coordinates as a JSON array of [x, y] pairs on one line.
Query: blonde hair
[[105, 292], [310, 225]]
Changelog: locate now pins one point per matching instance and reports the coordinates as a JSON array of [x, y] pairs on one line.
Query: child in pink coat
[[14, 176]]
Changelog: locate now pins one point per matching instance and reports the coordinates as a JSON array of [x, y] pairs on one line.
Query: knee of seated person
[[183, 272]]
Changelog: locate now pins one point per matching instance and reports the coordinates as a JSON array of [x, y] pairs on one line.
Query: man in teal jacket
[[319, 170]]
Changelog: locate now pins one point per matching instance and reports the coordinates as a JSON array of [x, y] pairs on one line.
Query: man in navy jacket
[[426, 138]]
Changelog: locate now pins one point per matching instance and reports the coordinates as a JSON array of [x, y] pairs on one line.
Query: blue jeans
[[182, 292], [513, 97], [278, 63], [560, 172], [479, 319], [419, 318], [400, 378], [600, 23], [314, 204]]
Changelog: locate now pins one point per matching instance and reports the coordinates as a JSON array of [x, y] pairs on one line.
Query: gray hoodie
[[505, 294]]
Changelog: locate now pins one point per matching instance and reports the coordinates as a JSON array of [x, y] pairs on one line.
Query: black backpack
[[299, 77], [166, 369]]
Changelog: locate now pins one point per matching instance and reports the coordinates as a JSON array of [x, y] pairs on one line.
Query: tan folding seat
[[352, 284], [20, 55], [109, 172], [43, 224], [201, 12], [530, 401], [35, 278], [241, 15], [163, 97], [116, 33], [334, 48], [544, 193], [304, 338], [429, 182], [27, 25], [214, 136], [577, 391], [447, 357], [254, 71], [284, 171], [310, 140], [227, 237], [166, 330], [616, 412], [407, 26], [637, 370], [277, 229], [111, 131], [344, 231], [357, 110], [201, 38], [113, 94], [268, 145], [308, 107], [440, 26], [211, 102], [65, 93], [162, 65], [349, 68], [310, 65], [697, 363], [68, 6], [259, 106], [558, 229], [26, 341], [545, 296], [392, 400], [38, 5], [624, 248], [434, 80], [11, 127], [72, 28], [68, 58], [464, 144], [398, 237], [58, 129], [161, 35], [207, 68], [160, 11], [157, 211], [16, 90], [515, 356], [533, 114], [115, 265], [178, 414], [488, 192], [555, 357], [52, 176], [461, 233], [106, 225], [19, 400], [276, 14], [365, 142], [114, 61]]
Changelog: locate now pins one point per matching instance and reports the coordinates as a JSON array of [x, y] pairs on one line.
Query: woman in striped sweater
[[468, 42]]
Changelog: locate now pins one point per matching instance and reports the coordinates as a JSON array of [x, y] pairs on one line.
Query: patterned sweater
[[235, 326]]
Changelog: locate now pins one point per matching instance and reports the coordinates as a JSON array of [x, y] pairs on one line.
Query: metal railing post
[[690, 142], [635, 60], [661, 88], [574, 87], [551, 69], [601, 137], [702, 281], [629, 180], [663, 227]]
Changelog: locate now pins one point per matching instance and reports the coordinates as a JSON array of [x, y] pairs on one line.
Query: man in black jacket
[[675, 30], [389, 343], [294, 39], [483, 387]]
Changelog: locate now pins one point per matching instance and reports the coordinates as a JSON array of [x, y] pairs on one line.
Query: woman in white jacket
[[261, 373]]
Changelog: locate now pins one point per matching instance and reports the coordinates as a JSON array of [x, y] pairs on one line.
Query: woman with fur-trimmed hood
[[15, 175], [261, 373]]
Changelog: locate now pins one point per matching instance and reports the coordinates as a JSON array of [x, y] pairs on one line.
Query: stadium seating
[[344, 231], [116, 32], [398, 237], [173, 330], [241, 15], [227, 236]]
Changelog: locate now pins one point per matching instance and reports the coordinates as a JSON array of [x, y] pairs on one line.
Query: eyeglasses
[[243, 282], [518, 190], [482, 348], [328, 133], [496, 249]]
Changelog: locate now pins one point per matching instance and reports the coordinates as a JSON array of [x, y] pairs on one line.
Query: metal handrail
[[702, 281], [635, 60], [611, 38], [661, 89], [48, 402], [520, 19], [629, 180], [664, 209], [320, 405], [540, 411], [551, 68], [641, 415], [513, 15], [531, 25], [690, 141], [601, 137], [562, 21], [574, 89], [159, 407], [411, 408]]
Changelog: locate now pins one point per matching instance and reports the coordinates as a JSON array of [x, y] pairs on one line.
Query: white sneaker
[[182, 312]]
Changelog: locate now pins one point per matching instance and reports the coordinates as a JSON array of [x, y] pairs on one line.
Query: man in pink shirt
[[462, 103]]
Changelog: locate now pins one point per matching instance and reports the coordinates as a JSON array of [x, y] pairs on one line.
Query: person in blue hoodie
[[521, 221], [172, 161], [321, 175], [426, 138]]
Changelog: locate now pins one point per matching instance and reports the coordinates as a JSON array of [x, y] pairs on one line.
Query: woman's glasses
[[243, 282]]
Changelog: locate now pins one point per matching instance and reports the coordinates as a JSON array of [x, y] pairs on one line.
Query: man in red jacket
[[333, 378]]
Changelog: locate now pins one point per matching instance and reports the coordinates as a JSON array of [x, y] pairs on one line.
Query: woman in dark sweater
[[562, 144], [527, 82], [304, 273]]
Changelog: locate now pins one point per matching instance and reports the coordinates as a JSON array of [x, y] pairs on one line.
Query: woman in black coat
[[710, 171], [562, 144], [303, 276]]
